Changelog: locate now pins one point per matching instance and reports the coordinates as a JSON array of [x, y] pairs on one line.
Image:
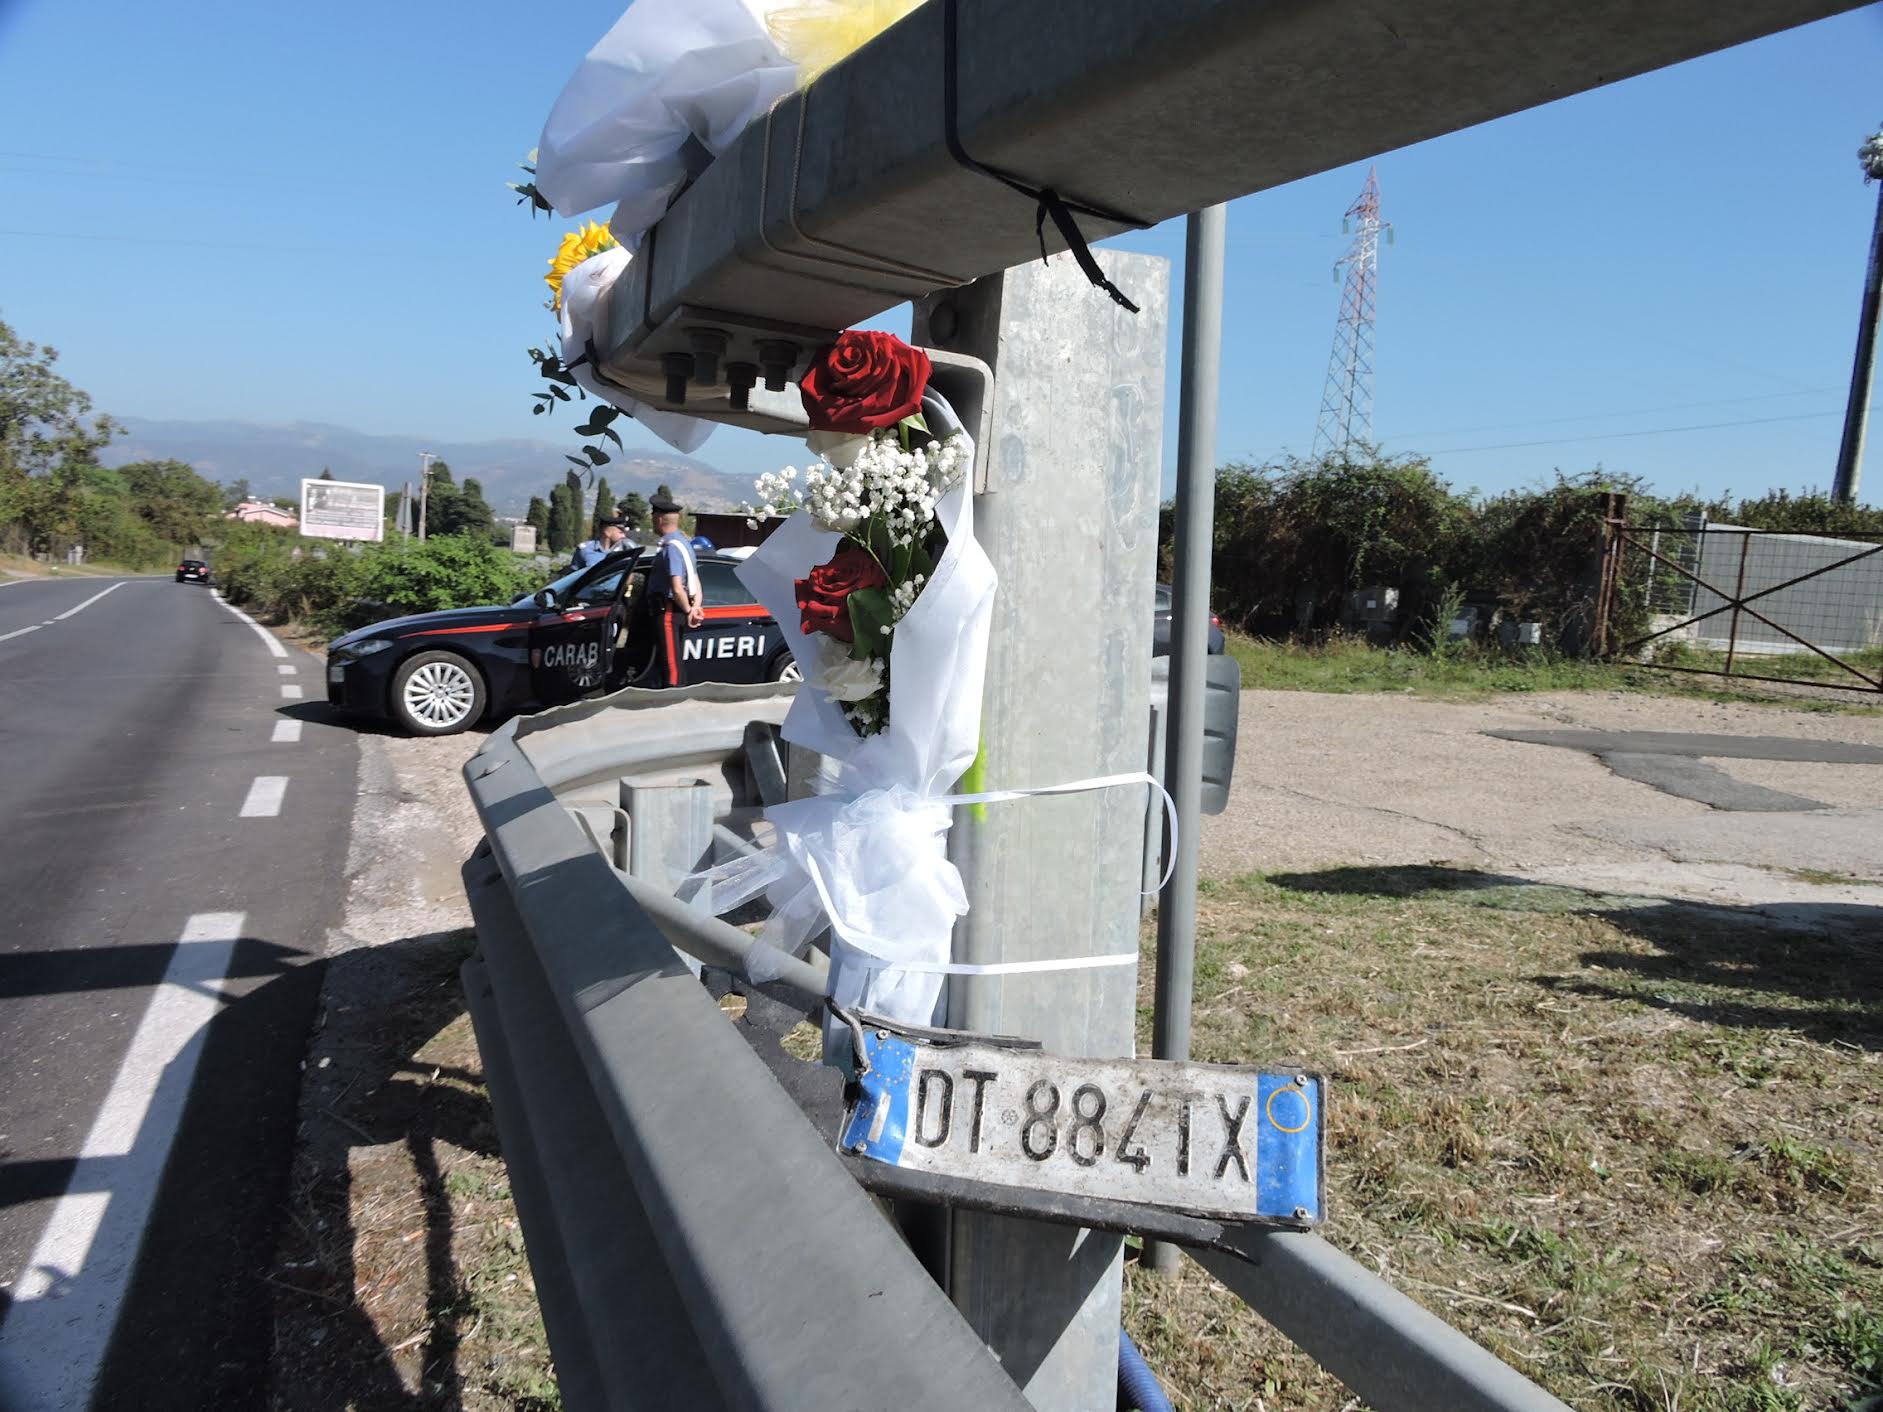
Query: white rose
[[840, 675]]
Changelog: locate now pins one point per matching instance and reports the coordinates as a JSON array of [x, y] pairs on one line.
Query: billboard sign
[[341, 509]]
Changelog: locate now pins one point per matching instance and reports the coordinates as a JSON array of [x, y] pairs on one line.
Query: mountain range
[[273, 458]]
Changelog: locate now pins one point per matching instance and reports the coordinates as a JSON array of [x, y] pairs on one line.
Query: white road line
[[291, 693], [286, 670], [287, 733], [68, 1299], [274, 643], [264, 797], [20, 632], [61, 617]]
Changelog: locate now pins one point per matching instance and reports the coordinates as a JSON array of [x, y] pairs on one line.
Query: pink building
[[261, 512]]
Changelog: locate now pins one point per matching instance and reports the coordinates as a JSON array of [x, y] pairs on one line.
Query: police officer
[[674, 584], [613, 536]]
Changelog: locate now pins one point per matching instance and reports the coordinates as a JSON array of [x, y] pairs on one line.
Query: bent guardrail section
[[697, 1242], [695, 1239]]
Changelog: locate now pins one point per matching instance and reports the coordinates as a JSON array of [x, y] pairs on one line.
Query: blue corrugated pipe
[[1137, 1384]]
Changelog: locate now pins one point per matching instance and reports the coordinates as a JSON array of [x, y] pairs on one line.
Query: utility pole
[[425, 459], [1849, 476]]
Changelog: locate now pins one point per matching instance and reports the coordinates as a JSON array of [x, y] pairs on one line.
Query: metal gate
[[1756, 605]]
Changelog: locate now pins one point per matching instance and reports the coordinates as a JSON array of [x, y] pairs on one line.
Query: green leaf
[[869, 615], [613, 436], [576, 461], [604, 415], [596, 456]]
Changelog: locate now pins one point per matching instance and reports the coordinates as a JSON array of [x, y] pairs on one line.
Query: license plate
[[336, 675], [1237, 1144]]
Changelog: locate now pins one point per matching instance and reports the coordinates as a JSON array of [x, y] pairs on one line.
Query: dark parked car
[[1160, 631], [192, 571], [593, 629]]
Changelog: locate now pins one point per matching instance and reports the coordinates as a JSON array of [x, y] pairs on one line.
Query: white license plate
[[336, 675], [1239, 1144]]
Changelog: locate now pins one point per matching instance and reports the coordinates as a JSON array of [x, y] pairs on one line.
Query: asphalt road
[[175, 849]]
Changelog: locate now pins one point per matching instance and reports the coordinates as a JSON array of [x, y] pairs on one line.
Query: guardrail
[[712, 1249]]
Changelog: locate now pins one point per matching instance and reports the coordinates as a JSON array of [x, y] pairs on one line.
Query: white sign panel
[[341, 509], [523, 539]]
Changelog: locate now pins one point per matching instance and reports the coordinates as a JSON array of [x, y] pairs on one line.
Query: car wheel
[[437, 693], [785, 668], [179, 578]]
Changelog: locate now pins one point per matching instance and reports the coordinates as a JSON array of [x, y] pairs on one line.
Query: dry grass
[[402, 1281], [1635, 1148]]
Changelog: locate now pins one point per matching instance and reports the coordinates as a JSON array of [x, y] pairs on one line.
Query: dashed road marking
[[286, 733], [291, 693], [61, 617], [68, 1299], [274, 643], [264, 797], [286, 670]]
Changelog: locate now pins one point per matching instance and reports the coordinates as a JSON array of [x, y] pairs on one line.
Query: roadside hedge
[[332, 588]]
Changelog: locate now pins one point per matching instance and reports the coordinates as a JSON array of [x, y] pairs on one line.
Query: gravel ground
[[1326, 780]]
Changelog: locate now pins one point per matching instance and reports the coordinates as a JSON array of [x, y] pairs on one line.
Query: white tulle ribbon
[[873, 868]]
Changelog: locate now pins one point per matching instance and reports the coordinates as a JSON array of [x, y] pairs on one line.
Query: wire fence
[[1757, 604]]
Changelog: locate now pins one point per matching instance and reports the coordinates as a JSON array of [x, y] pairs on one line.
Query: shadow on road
[[1813, 967], [250, 1247]]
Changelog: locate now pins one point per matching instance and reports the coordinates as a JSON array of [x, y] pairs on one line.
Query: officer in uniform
[[613, 536], [674, 584]]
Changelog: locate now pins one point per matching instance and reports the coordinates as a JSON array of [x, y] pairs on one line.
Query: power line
[[1619, 435]]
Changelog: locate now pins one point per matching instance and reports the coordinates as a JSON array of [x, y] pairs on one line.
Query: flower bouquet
[[879, 485], [885, 599]]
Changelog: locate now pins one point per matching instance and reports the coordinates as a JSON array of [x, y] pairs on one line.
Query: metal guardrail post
[[1069, 518], [1189, 638]]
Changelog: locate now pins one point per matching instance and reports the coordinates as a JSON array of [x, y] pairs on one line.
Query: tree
[[664, 491], [467, 512], [44, 421], [441, 501], [604, 507], [564, 513], [234, 493], [633, 509], [537, 517], [171, 498], [325, 474]]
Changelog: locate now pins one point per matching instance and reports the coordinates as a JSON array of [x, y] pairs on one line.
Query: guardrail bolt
[[860, 1148], [1301, 1080], [678, 367], [777, 356], [1301, 1213], [882, 1034], [709, 346], [741, 378]]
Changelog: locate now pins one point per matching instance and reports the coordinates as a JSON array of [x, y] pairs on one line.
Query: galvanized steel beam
[[847, 198]]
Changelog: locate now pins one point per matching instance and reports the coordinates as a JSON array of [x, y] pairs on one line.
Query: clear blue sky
[[270, 213]]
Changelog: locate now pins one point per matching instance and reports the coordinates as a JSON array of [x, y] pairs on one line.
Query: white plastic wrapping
[[667, 71], [583, 289], [870, 854]]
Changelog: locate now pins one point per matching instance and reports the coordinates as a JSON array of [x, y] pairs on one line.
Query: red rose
[[822, 598], [863, 381]]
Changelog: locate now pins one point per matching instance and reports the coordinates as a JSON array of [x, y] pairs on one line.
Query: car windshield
[[560, 587]]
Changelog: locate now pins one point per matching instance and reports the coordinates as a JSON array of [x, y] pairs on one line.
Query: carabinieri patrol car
[[594, 629]]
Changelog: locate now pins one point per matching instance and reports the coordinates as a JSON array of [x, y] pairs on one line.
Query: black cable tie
[[1049, 202]]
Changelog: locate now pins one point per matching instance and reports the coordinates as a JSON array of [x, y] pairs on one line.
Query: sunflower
[[577, 246]]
